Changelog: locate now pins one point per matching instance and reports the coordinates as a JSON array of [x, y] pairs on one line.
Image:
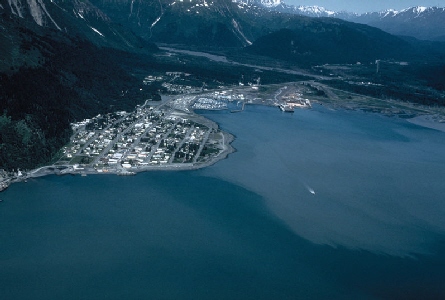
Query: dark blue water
[[377, 180], [247, 227]]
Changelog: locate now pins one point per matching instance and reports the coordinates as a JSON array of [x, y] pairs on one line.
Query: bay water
[[319, 204]]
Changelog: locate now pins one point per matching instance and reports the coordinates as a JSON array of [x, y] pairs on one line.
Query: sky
[[361, 6]]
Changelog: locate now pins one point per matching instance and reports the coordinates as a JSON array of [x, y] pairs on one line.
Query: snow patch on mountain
[[270, 3], [238, 30], [38, 11], [260, 3], [16, 7], [131, 8], [97, 31], [315, 10], [34, 8], [420, 9]]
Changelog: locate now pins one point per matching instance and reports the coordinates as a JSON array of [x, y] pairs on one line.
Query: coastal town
[[171, 135], [148, 138], [158, 135]]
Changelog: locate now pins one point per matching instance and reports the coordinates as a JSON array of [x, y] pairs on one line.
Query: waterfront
[[247, 227]]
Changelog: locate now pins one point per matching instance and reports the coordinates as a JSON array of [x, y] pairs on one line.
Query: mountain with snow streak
[[36, 10], [222, 23], [199, 22]]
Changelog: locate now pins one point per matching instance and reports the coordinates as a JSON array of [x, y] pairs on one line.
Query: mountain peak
[[270, 3], [315, 10], [261, 3], [417, 9]]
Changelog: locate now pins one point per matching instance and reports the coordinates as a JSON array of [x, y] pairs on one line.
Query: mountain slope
[[199, 22], [76, 18], [319, 41]]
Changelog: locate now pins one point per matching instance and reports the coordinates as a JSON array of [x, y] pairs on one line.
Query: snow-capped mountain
[[311, 11], [406, 15], [409, 13], [262, 3], [426, 23], [280, 6], [270, 3]]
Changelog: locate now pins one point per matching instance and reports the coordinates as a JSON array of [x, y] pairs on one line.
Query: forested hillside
[[73, 80]]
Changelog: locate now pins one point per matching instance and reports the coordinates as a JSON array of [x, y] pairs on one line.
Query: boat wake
[[310, 190]]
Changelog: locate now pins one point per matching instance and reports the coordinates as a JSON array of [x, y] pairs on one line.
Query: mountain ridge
[[424, 23], [421, 22]]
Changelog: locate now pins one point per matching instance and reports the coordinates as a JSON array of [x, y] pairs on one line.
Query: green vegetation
[[329, 42], [81, 160], [416, 82], [208, 151]]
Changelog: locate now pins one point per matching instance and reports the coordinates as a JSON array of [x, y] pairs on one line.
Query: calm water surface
[[249, 226]]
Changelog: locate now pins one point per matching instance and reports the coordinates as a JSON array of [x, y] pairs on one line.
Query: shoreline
[[428, 121], [420, 118], [70, 170]]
